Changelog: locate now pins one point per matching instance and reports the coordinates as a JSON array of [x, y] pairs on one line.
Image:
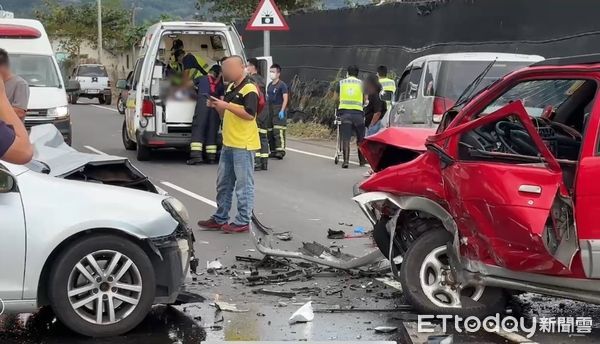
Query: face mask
[[272, 75]]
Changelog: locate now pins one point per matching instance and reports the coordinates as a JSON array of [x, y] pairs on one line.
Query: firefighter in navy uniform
[[206, 121], [261, 161], [350, 112], [277, 101]]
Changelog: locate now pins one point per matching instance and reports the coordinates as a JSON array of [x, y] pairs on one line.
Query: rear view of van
[[31, 57], [159, 115]]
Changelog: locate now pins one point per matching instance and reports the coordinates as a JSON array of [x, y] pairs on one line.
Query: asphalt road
[[305, 194]]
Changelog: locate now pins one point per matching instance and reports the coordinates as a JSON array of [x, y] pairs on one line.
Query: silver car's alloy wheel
[[104, 287], [437, 281]]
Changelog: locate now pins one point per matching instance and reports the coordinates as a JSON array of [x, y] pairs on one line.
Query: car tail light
[[440, 106], [19, 31], [148, 108]]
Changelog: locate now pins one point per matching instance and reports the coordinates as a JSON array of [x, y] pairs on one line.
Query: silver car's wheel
[[104, 287], [436, 281]]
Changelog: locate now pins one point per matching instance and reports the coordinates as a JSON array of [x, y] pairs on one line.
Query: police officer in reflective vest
[[350, 112], [389, 88]]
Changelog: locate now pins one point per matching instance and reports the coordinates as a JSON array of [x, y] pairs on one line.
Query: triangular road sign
[[267, 17]]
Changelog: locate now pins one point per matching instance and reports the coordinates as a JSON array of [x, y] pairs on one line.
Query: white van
[[151, 121], [431, 84], [31, 57]]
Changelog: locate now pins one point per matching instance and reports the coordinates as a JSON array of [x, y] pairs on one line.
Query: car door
[[512, 210], [404, 111], [130, 103], [12, 238]]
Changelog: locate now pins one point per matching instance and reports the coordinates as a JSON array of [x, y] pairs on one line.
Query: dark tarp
[[320, 43]]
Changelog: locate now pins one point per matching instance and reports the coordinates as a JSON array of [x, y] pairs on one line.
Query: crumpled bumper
[[172, 263]]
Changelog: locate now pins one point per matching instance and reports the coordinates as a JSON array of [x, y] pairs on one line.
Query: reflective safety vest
[[388, 84], [351, 94], [175, 72], [202, 67]]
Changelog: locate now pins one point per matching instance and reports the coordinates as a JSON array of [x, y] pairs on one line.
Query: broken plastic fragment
[[359, 230], [303, 314], [214, 265], [385, 329], [228, 307], [332, 234], [285, 236]]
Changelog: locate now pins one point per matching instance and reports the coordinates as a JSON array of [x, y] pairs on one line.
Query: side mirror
[[73, 86], [122, 85], [7, 182]]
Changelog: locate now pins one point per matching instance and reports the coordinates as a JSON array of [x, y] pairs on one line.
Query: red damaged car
[[503, 197]]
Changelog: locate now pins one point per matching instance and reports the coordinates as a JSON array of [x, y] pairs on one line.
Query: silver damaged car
[[90, 236]]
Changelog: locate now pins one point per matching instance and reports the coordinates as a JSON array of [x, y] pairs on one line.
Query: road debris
[[284, 236], [213, 266], [385, 329], [279, 293], [333, 234], [303, 314], [228, 307]]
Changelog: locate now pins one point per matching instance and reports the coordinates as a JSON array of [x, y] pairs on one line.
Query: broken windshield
[[537, 95]]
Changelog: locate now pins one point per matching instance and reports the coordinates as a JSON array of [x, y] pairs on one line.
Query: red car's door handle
[[532, 189]]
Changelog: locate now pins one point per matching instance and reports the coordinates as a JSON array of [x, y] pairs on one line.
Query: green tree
[[226, 10], [76, 24]]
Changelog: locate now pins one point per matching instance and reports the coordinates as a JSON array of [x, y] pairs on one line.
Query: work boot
[[346, 154], [195, 158], [211, 158], [258, 165], [279, 155], [264, 164], [361, 159]]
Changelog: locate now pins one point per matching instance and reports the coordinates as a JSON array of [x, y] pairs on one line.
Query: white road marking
[[189, 193], [316, 155], [97, 151], [104, 107]]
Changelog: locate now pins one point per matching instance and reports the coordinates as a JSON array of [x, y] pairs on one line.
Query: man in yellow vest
[[350, 112], [389, 88]]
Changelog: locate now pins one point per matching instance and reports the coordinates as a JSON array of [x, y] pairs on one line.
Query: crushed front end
[[174, 254]]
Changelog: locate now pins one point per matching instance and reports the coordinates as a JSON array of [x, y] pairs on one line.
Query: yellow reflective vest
[[351, 94], [388, 84]]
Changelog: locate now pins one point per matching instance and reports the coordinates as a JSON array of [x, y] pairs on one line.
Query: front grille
[[40, 112]]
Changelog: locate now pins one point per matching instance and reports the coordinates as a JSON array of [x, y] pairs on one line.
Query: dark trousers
[[205, 129], [352, 121], [278, 141], [264, 124]]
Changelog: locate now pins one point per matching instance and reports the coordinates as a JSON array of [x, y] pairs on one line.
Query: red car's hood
[[393, 146]]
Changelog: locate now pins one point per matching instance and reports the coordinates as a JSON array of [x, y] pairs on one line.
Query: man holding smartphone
[[240, 142]]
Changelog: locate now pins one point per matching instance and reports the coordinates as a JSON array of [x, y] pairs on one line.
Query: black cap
[[177, 45]]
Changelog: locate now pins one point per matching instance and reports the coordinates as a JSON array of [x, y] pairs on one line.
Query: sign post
[[267, 18]]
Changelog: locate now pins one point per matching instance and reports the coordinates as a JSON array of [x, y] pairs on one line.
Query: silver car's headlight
[[177, 210], [58, 112]]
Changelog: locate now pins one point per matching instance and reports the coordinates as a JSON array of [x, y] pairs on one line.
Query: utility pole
[[133, 9], [99, 31]]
